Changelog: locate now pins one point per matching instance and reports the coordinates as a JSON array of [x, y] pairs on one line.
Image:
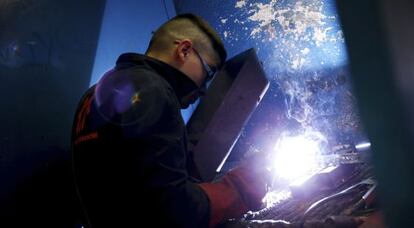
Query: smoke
[[305, 55]]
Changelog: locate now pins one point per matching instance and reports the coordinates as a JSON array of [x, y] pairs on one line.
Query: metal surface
[[219, 119], [320, 205]]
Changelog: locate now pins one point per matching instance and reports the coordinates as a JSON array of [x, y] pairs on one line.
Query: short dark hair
[[192, 27]]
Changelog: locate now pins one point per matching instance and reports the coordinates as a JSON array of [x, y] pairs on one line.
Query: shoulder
[[135, 95]]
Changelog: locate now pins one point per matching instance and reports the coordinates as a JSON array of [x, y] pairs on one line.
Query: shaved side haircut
[[189, 26]]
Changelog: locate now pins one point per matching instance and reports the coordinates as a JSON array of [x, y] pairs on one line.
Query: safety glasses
[[211, 71]]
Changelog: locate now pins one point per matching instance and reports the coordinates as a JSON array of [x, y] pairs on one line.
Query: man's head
[[191, 45]]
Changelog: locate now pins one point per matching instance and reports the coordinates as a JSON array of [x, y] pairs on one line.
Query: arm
[[240, 190]]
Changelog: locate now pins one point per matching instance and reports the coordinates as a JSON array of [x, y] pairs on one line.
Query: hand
[[252, 179], [239, 190]]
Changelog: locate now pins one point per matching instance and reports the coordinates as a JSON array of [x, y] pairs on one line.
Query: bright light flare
[[274, 197], [362, 146], [295, 157]]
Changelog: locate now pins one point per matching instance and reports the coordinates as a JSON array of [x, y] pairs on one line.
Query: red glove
[[240, 190]]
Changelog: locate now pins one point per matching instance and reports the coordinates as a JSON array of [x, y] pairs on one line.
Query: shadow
[[45, 199]]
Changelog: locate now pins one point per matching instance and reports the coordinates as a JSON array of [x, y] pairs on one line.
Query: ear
[[184, 47]]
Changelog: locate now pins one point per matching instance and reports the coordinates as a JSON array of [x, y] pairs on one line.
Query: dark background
[[47, 49]]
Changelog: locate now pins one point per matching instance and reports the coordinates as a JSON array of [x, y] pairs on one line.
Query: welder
[[129, 144]]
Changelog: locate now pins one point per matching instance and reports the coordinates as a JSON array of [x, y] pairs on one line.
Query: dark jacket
[[130, 151]]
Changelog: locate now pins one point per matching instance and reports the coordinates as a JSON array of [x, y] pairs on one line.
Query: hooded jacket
[[129, 148], [130, 157]]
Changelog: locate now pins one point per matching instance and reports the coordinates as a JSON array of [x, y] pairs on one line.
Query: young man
[[129, 143]]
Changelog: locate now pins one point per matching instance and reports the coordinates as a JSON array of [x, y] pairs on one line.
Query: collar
[[180, 82]]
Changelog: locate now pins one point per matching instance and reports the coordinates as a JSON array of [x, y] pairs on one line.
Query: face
[[197, 66]]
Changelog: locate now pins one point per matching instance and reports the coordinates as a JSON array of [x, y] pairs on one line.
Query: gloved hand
[[238, 191]]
